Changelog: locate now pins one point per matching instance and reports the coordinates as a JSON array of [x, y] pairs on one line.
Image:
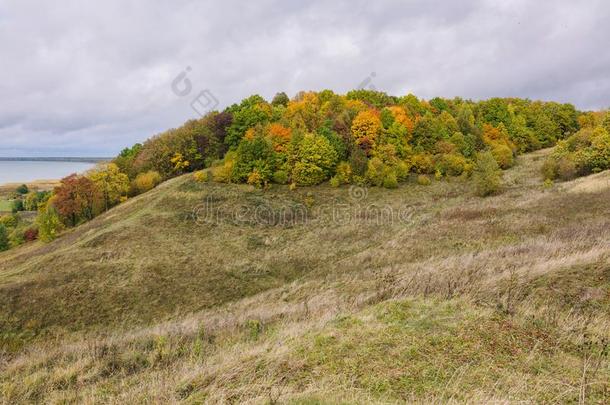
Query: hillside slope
[[223, 293]]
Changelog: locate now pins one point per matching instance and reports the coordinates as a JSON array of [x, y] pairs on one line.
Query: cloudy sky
[[90, 77]]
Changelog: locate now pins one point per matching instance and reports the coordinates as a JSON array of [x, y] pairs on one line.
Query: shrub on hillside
[[10, 221], [221, 170], [145, 182], [375, 172], [423, 163], [343, 174], [4, 240], [423, 180], [256, 152], [503, 155], [315, 160], [33, 199], [487, 175], [30, 234], [585, 152], [22, 189], [499, 142], [256, 179], [307, 174], [17, 206], [16, 238], [201, 176], [49, 223], [317, 150], [280, 177], [390, 180], [358, 161], [452, 164], [566, 168], [381, 175]]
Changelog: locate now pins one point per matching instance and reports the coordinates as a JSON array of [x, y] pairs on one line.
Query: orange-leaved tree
[[77, 199]]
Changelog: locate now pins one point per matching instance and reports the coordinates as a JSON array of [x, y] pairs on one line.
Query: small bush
[[256, 153], [49, 224], [402, 170], [503, 155], [255, 179], [586, 152], [423, 163], [255, 328], [344, 173], [16, 238], [487, 175], [10, 221], [280, 177], [307, 174], [549, 169], [201, 176], [17, 206], [30, 234], [221, 173], [390, 180], [423, 180], [145, 182], [566, 168], [23, 189], [358, 162], [316, 158], [4, 240], [452, 164], [375, 173]]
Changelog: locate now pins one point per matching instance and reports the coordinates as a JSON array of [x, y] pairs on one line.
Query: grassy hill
[[224, 293]]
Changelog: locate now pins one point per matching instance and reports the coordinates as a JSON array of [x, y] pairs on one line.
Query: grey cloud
[[88, 77]]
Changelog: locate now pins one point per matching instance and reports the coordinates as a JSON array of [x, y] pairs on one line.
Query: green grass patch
[[443, 350], [6, 205]]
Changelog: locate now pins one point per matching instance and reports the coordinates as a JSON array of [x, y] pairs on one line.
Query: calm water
[[22, 172]]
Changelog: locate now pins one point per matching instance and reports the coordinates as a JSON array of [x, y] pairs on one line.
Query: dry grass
[[38, 185], [498, 300], [595, 183]]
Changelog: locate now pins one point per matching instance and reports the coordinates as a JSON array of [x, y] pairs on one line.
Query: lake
[[26, 171]]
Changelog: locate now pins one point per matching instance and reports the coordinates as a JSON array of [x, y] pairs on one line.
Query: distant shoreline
[[56, 159], [37, 185]]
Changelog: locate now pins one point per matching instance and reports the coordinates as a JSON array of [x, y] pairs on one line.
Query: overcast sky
[[91, 77]]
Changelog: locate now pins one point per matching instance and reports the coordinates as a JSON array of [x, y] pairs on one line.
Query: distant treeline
[[55, 159]]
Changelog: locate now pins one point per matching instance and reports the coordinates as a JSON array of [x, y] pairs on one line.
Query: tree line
[[364, 137]]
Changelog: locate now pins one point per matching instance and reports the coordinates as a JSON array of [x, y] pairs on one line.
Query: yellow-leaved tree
[[366, 128], [109, 180]]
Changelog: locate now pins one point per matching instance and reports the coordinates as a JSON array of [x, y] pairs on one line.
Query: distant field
[[40, 185], [5, 205]]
